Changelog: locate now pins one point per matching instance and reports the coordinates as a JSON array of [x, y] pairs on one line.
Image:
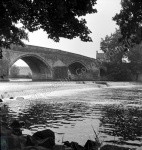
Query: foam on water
[[58, 93], [106, 102]]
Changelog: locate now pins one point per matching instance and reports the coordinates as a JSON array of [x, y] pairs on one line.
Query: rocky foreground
[[13, 139]]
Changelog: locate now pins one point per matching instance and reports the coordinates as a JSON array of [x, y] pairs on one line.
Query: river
[[73, 109]]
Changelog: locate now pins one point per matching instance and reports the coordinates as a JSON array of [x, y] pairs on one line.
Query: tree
[[58, 18], [115, 52], [119, 72], [14, 71], [130, 19], [135, 59]]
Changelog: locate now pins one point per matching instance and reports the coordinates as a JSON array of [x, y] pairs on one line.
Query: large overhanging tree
[[130, 19], [58, 18]]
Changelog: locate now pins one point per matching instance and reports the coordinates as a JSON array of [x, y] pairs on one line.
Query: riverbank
[[12, 138]]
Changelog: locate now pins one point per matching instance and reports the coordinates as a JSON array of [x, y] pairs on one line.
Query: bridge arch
[[77, 68], [39, 67]]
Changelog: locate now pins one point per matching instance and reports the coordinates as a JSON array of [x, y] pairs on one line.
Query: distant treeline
[[22, 76]]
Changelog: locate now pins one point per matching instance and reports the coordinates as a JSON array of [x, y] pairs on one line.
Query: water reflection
[[123, 122], [53, 114], [111, 111]]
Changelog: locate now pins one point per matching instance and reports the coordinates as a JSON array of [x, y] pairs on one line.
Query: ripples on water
[[115, 113]]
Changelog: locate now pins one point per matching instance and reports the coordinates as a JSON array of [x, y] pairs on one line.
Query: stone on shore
[[15, 128], [45, 138], [11, 97], [44, 134]]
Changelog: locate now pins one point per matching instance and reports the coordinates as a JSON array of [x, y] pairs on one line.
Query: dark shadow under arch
[[77, 68], [40, 69]]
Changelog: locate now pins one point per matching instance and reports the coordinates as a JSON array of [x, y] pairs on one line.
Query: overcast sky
[[100, 23]]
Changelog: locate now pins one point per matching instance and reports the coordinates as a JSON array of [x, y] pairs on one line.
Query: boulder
[[29, 141], [11, 97], [76, 146], [90, 145], [15, 128], [45, 138], [73, 146], [15, 124], [47, 143], [44, 134], [1, 100]]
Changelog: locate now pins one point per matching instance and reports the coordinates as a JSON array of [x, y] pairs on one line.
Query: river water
[[72, 110]]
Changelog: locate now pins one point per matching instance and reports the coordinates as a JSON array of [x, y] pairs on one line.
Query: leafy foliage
[[58, 18], [119, 72], [125, 122], [14, 71], [130, 19], [112, 48], [135, 58], [115, 52]]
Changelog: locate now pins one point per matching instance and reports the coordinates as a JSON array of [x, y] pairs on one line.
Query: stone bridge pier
[[49, 64]]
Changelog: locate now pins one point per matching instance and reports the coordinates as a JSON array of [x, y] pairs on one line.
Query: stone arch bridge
[[49, 64]]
